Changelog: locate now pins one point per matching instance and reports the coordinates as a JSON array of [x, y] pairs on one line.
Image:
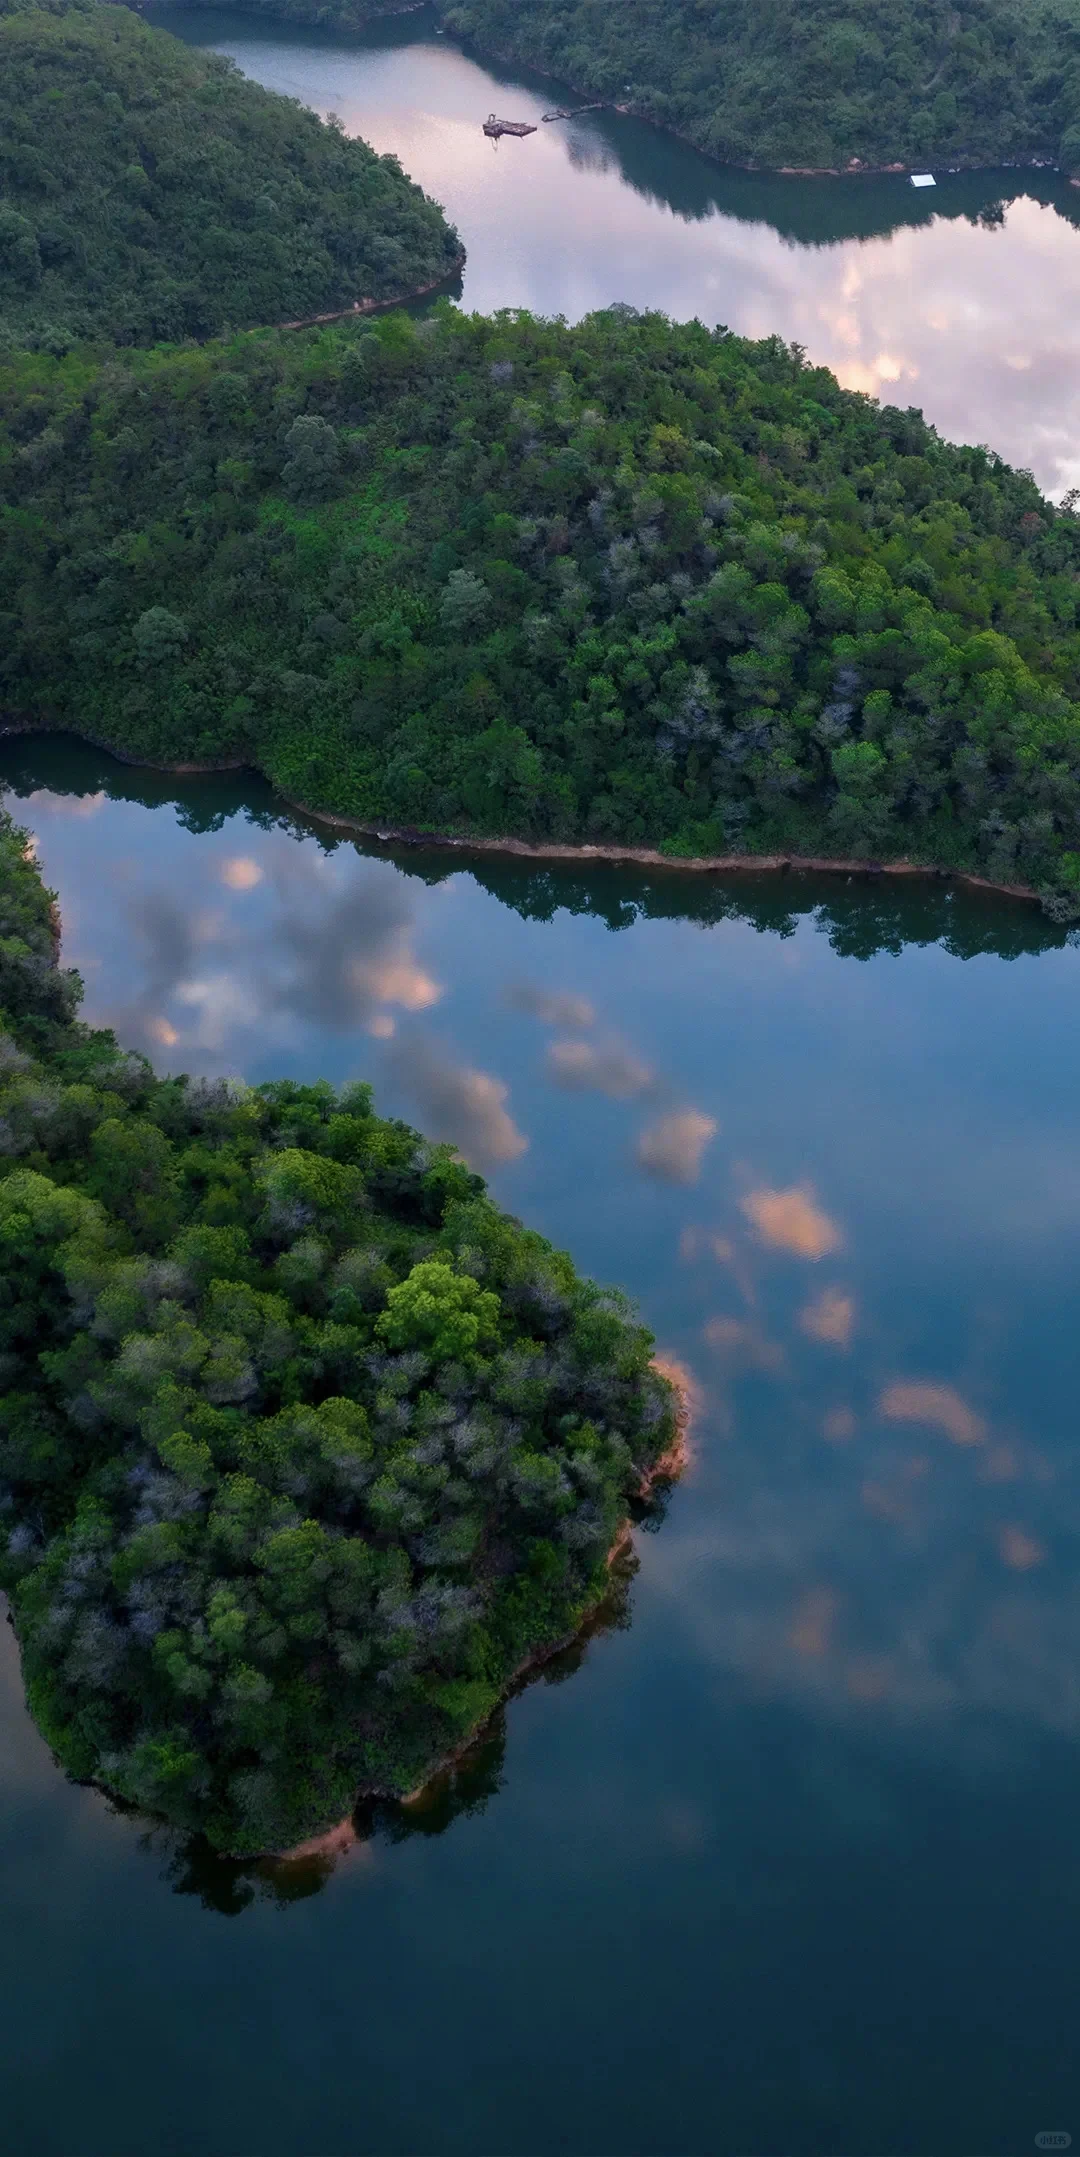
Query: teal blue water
[[963, 299], [787, 1860]]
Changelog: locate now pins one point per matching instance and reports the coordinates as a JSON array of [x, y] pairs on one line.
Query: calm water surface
[[965, 301], [790, 1862]]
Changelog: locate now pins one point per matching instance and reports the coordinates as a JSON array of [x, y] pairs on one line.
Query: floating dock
[[494, 126], [572, 113]]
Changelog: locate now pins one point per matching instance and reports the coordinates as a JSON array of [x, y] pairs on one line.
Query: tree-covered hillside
[[627, 582], [321, 14], [305, 1448], [147, 191], [816, 82]]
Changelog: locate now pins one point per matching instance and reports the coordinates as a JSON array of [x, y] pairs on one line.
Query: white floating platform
[[923, 179]]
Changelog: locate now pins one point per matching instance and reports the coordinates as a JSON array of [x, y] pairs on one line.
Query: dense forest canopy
[[816, 82], [147, 192], [322, 14], [824, 83], [305, 1447], [628, 582]]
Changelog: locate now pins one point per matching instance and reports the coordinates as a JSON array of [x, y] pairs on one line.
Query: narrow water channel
[[788, 1860], [963, 300], [785, 1859]]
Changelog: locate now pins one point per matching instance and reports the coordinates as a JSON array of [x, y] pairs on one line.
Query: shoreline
[[361, 308], [647, 857], [652, 858], [355, 24], [855, 169], [330, 1843], [335, 1840]]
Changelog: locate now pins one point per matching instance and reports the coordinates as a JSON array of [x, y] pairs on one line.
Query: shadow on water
[[814, 1815], [861, 915], [229, 1886], [815, 211]]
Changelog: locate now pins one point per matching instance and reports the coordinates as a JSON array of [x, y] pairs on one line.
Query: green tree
[[445, 1312]]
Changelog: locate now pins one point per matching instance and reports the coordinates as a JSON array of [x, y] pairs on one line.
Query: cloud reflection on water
[[1019, 1549], [300, 940], [829, 1318], [455, 1102], [874, 1589], [589, 1066], [916, 1401], [971, 319], [941, 1559], [555, 1007], [674, 1146], [241, 873], [744, 1341], [889, 1567], [791, 1221], [838, 1426]]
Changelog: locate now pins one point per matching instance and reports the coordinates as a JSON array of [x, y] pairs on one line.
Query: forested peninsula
[[307, 1449], [814, 84], [823, 84], [628, 582], [149, 192]]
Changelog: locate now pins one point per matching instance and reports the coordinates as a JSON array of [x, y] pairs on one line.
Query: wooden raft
[[494, 126]]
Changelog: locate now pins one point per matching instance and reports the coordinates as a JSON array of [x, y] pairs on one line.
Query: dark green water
[[964, 299], [787, 1863]]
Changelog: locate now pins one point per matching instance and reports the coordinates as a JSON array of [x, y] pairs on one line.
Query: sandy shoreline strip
[[650, 857], [646, 857]]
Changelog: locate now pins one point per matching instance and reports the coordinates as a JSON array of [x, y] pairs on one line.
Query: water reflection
[[673, 1147], [830, 1317], [600, 1067], [862, 917], [455, 1102], [792, 1221], [845, 1720], [463, 1790], [915, 1401], [555, 1007], [229, 938], [286, 943], [230, 1886], [964, 301], [743, 1339]]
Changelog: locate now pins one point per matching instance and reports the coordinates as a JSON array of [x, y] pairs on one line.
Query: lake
[[786, 1859], [963, 300]]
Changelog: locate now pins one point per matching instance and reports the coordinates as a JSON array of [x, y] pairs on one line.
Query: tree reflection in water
[[229, 1886], [862, 915]]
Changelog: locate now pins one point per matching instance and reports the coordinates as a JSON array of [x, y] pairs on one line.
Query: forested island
[[630, 582], [149, 192], [307, 1448]]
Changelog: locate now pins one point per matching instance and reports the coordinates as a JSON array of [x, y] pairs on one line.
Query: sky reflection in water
[[962, 303], [800, 1839], [788, 1862], [846, 1194]]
